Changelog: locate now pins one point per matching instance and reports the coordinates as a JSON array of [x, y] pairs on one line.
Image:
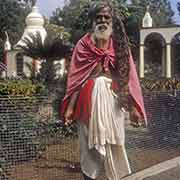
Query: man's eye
[[99, 17], [107, 17]]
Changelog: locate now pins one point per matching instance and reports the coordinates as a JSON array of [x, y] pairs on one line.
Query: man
[[102, 85]]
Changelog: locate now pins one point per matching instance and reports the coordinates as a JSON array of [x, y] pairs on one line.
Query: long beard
[[103, 31]]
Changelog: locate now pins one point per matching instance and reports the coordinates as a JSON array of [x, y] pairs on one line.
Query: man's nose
[[103, 19]]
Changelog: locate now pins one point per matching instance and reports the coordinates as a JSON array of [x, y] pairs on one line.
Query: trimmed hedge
[[160, 84], [20, 87]]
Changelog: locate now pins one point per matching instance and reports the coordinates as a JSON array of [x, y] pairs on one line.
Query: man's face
[[102, 24]]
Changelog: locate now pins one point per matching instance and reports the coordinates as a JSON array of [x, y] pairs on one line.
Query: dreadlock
[[122, 51]]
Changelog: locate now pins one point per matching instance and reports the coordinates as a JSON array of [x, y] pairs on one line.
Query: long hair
[[121, 43]]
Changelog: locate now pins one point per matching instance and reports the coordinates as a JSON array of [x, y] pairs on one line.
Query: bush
[[20, 87], [19, 101], [163, 84], [162, 102]]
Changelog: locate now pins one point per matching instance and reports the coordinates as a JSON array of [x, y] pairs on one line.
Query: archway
[[154, 56], [19, 64], [175, 44]]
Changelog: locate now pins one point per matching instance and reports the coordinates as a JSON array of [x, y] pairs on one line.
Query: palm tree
[[52, 48]]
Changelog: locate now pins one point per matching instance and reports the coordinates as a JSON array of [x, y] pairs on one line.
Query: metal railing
[[35, 146]]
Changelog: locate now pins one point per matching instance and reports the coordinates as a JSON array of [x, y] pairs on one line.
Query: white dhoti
[[102, 148]]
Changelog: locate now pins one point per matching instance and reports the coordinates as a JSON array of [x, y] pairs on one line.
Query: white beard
[[104, 33]]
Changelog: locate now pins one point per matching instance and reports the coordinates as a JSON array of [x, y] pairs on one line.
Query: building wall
[[11, 64]]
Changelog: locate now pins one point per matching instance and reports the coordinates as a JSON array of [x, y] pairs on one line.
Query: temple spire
[[147, 20], [7, 44]]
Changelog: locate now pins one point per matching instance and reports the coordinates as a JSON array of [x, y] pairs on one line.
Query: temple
[[160, 45], [17, 64]]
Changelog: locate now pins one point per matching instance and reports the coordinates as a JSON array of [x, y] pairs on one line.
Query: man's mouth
[[102, 27]]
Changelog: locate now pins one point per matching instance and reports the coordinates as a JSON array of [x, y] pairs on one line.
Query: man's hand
[[70, 109], [68, 116], [135, 118]]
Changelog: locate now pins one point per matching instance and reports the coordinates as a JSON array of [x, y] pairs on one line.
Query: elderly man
[[102, 86]]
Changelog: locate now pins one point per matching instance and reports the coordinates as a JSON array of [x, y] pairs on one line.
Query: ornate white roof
[[147, 20], [34, 23], [7, 44]]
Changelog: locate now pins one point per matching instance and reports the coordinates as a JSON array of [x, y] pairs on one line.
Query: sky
[[48, 6]]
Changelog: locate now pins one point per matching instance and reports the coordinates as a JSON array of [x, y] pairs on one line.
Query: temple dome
[[34, 24], [35, 18]]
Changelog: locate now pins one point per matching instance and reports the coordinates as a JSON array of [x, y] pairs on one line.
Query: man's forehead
[[105, 10]]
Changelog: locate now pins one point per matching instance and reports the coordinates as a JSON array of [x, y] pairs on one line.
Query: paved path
[[171, 174], [168, 170]]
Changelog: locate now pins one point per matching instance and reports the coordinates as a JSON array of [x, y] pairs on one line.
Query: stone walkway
[[168, 170], [171, 174]]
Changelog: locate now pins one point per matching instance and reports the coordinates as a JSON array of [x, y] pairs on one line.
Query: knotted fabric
[[85, 58]]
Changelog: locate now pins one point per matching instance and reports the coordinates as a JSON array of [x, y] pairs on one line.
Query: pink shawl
[[86, 57]]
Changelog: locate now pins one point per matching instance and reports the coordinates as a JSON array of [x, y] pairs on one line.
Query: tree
[[26, 3], [12, 18], [74, 16], [160, 10], [178, 7], [55, 47]]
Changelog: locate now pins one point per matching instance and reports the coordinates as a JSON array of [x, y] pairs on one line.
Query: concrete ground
[[171, 174], [168, 170]]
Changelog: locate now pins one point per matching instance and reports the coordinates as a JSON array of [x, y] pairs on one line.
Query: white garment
[[102, 142]]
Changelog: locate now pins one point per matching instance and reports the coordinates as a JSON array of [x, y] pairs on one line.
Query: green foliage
[[12, 18], [52, 47], [56, 130], [23, 134], [55, 47], [18, 130], [27, 2], [55, 32], [162, 102], [162, 85], [74, 17], [178, 7], [161, 11], [20, 87]]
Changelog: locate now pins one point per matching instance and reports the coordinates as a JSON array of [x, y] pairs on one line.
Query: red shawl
[[85, 58]]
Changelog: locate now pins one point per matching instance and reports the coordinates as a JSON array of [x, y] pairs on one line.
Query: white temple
[[7, 44], [34, 23], [17, 64], [166, 36]]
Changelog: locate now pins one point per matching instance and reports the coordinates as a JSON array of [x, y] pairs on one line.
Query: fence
[[35, 146]]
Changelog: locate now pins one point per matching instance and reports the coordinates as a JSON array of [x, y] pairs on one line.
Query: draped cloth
[[85, 58], [102, 141]]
